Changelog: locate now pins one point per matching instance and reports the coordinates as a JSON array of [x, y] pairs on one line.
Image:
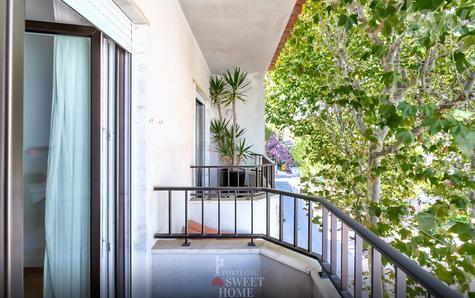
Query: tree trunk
[[219, 111], [374, 180], [234, 133]]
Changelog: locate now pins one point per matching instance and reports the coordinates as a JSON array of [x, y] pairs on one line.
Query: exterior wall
[[168, 70], [169, 73], [250, 116]]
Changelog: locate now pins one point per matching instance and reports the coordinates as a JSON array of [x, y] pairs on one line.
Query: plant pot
[[232, 177]]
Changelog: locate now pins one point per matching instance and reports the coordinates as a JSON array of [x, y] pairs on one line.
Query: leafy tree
[[381, 93]]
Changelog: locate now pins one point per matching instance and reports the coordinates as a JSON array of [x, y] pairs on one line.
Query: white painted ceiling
[[242, 33]]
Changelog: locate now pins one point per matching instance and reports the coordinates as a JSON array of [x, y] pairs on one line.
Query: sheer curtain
[[67, 216]]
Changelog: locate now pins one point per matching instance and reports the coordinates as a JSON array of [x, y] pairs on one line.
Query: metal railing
[[259, 174], [333, 224]]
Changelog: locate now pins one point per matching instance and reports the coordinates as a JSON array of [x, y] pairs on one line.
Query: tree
[[237, 87], [381, 93]]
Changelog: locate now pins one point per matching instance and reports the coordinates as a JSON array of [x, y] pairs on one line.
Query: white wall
[[168, 68]]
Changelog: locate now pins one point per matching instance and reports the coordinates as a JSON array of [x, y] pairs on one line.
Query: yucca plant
[[217, 92], [237, 87], [222, 135]]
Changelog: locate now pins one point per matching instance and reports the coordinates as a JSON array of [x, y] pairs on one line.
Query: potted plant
[[228, 137]]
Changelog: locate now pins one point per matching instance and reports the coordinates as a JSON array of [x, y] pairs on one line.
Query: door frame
[[12, 28], [96, 45], [200, 140]]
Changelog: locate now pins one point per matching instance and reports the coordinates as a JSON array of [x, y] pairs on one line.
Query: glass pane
[[56, 165]]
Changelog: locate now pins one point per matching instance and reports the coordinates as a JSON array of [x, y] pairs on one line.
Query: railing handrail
[[402, 262], [409, 266], [229, 167], [267, 159]]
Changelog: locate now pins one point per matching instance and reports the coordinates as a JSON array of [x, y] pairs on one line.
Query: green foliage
[[380, 94], [237, 86], [228, 89], [217, 92], [223, 134]]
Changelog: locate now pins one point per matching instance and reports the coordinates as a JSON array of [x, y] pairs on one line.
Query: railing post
[[281, 218], [209, 177], [376, 280], [400, 285], [358, 270], [344, 257], [333, 245], [202, 212], [235, 212], [186, 243], [219, 212], [310, 230], [169, 212], [324, 235], [296, 222], [252, 220], [267, 214]]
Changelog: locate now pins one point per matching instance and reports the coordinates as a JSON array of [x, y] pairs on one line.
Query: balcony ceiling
[[242, 33]]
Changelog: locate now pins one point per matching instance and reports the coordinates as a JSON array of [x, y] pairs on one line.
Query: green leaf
[[405, 136], [427, 110], [467, 248], [461, 61], [425, 220], [407, 110], [460, 202], [428, 4], [464, 138], [390, 116], [388, 77]]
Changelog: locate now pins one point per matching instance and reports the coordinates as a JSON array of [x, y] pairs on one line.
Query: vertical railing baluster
[[376, 278], [344, 257], [169, 212], [257, 183], [252, 219], [209, 177], [261, 174], [247, 177], [219, 212], [186, 243], [358, 270], [218, 183], [310, 231], [235, 212], [237, 173], [202, 212], [267, 214], [333, 244], [296, 221], [400, 284], [324, 234], [229, 176], [281, 218], [252, 213], [186, 212]]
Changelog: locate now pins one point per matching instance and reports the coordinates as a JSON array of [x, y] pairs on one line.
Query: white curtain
[[67, 216]]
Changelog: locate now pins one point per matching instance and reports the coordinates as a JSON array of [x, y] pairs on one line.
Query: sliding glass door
[[57, 165], [76, 163]]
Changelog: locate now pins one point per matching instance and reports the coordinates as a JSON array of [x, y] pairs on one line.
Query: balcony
[[347, 256]]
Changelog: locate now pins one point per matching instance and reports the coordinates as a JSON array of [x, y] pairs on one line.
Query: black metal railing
[[332, 223], [261, 173]]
